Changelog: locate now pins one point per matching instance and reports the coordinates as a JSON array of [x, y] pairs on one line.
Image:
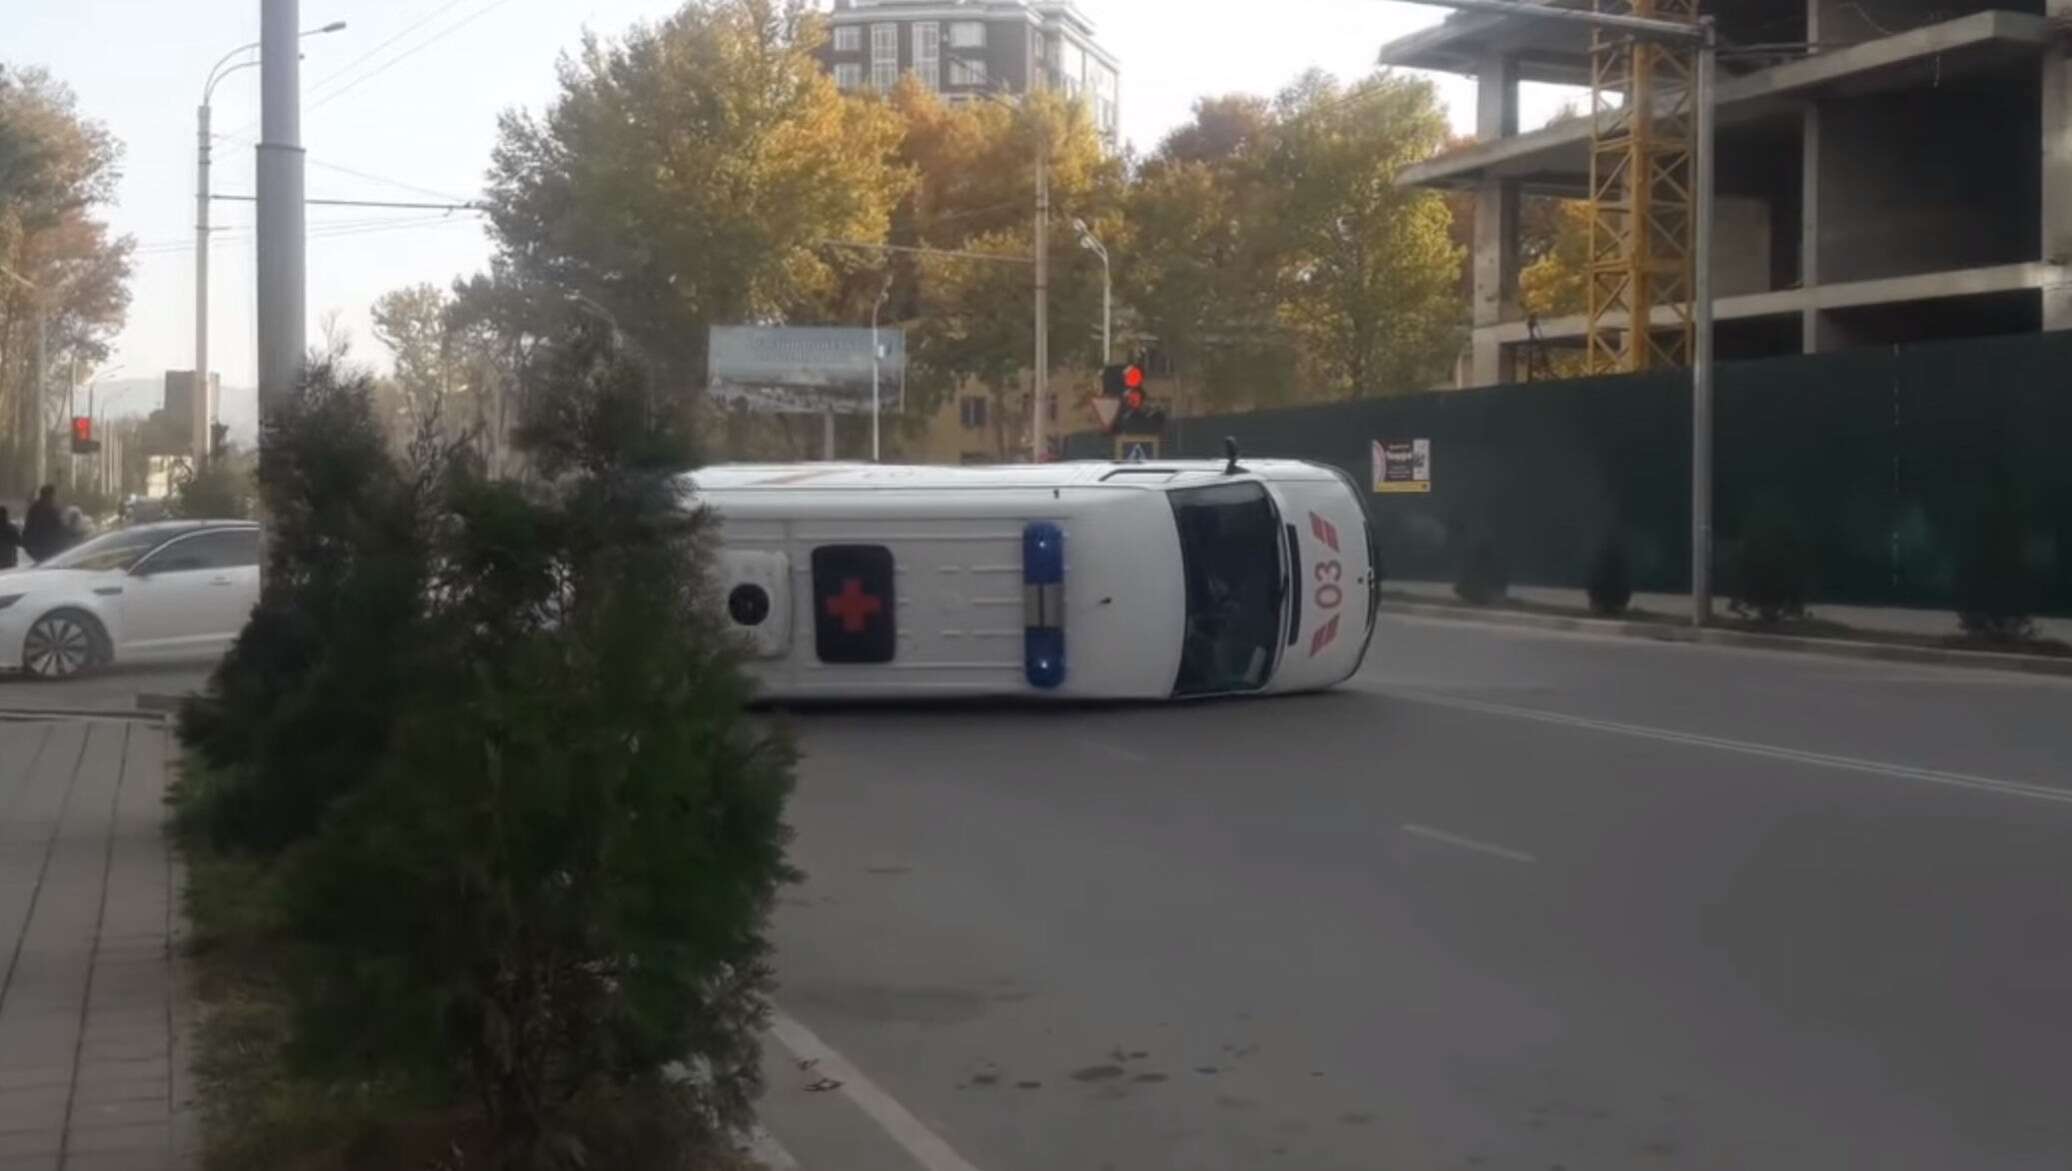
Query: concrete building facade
[[1888, 170], [965, 48]]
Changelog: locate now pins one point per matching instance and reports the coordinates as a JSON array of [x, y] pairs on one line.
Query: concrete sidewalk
[[90, 1077], [1885, 619]]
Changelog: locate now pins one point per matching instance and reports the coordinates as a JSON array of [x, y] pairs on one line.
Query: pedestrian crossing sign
[[1136, 449]]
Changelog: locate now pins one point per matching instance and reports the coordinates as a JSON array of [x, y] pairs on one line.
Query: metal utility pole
[[281, 242], [1704, 37], [200, 412], [1039, 448], [1092, 243], [1701, 334]]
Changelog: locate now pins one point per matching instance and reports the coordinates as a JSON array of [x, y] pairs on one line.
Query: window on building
[[849, 39], [928, 53], [967, 34], [849, 75], [971, 412], [963, 72], [1072, 67], [884, 56]]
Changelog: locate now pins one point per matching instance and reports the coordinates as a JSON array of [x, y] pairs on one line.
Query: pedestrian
[[43, 530], [10, 541]]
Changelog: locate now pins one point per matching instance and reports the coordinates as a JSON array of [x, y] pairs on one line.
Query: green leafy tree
[[1368, 273], [57, 169], [456, 372], [974, 170], [1203, 244], [692, 174]]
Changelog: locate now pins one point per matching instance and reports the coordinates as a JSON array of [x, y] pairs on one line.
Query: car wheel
[[63, 643]]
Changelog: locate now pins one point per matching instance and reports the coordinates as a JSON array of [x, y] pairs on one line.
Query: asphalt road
[[1511, 900]]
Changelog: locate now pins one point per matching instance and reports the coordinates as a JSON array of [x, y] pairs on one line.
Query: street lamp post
[[1092, 243], [198, 411], [877, 360], [1704, 37]]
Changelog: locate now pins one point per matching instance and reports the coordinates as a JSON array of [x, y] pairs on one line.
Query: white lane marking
[[1749, 748], [764, 1148], [928, 1148], [1114, 750], [1439, 835]]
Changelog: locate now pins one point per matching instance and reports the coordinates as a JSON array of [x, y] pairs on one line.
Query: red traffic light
[[82, 429], [1117, 381]]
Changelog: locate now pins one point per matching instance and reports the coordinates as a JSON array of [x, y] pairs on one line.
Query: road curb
[[79, 713], [1835, 648]]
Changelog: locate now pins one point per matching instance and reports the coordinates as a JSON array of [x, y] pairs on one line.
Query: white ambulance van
[[1068, 581]]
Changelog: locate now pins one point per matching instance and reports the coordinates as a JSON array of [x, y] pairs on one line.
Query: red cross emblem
[[854, 607]]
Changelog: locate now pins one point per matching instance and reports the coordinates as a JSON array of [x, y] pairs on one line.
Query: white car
[[180, 589]]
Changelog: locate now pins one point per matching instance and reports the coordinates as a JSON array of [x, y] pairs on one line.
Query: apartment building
[[967, 48]]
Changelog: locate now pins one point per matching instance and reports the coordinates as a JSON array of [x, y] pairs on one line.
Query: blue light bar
[[1043, 594]]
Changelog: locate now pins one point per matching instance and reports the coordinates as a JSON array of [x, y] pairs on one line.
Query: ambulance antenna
[[1230, 453]]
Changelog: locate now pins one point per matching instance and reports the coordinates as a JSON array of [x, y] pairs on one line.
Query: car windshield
[[117, 550], [1231, 553]]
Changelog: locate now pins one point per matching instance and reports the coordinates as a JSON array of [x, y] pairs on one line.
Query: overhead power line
[[1008, 257], [362, 203], [247, 132], [327, 231], [355, 63], [385, 180], [406, 54]]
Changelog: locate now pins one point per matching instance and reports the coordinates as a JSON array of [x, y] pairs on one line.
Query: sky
[[402, 105]]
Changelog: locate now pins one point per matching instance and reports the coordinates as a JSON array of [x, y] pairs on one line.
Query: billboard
[[1403, 466], [804, 370]]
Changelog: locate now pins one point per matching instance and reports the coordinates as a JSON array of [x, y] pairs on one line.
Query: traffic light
[[1119, 381], [1134, 414], [83, 441]]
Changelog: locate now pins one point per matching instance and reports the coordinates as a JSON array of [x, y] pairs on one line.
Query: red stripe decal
[[1324, 637], [1324, 531]]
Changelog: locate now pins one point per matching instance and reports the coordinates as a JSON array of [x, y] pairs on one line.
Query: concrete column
[[1496, 226], [2057, 168], [1809, 225]]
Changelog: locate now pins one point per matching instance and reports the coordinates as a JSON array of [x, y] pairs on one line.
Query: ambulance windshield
[[1230, 549]]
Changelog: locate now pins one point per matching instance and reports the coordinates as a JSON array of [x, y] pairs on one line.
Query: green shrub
[[301, 708], [1774, 570], [1484, 578], [1611, 579], [1996, 589], [543, 878]]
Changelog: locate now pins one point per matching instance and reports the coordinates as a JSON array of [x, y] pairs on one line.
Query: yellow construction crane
[[1642, 192]]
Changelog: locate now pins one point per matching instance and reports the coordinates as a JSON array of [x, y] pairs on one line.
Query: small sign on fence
[[1403, 465]]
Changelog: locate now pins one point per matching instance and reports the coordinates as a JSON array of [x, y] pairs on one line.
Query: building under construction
[[1887, 171]]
